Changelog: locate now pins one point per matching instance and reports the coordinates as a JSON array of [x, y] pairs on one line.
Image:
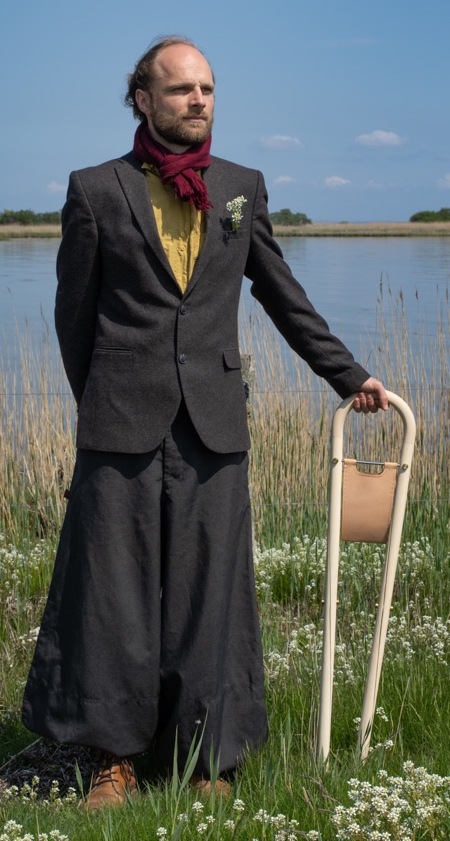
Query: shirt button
[[183, 309], [182, 358]]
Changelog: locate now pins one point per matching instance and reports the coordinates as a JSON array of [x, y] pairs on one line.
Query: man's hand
[[371, 396]]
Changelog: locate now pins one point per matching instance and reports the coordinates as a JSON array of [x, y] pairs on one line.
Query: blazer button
[[183, 309], [182, 358]]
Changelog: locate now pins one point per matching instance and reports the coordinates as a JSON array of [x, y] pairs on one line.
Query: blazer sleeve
[[286, 303], [78, 272]]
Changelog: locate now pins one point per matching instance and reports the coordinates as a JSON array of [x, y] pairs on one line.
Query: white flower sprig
[[235, 208]]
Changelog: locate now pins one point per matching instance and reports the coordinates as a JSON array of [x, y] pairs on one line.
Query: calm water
[[342, 278]]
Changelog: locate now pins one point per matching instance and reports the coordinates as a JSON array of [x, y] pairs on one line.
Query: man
[[150, 636]]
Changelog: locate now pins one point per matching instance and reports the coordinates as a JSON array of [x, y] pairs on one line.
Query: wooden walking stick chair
[[363, 506]]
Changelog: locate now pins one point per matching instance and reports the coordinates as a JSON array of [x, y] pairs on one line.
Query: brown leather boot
[[204, 786], [112, 783]]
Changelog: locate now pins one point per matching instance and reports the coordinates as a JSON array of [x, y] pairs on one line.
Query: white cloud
[[284, 179], [444, 182], [280, 141], [54, 187], [336, 181], [379, 138]]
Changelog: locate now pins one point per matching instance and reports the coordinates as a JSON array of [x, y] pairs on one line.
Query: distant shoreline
[[365, 229], [29, 231], [320, 229]]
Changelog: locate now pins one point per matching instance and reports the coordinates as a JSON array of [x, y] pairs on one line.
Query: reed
[[291, 415], [36, 437]]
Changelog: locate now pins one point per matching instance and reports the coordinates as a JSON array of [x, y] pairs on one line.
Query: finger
[[365, 403], [381, 400], [371, 404]]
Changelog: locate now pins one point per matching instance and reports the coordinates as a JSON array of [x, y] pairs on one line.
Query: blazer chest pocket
[[229, 234], [232, 358]]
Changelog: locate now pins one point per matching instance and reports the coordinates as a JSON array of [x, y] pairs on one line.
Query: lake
[[341, 276]]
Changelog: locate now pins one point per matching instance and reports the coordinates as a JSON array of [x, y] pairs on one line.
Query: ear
[[143, 101]]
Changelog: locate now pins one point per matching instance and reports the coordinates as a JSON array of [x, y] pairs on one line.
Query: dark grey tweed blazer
[[132, 344]]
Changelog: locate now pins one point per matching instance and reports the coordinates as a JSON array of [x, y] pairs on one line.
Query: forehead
[[181, 62]]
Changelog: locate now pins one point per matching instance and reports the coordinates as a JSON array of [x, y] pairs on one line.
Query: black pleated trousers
[[151, 626]]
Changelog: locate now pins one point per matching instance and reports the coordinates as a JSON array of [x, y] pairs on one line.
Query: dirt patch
[[47, 761]]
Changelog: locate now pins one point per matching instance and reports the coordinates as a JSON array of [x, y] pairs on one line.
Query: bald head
[[181, 62]]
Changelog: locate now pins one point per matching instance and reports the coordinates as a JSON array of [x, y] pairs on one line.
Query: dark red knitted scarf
[[178, 170]]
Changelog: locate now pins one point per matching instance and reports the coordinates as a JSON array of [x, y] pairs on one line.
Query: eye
[[180, 89]]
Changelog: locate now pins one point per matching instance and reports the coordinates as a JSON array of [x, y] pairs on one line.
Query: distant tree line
[[442, 215], [29, 217], [286, 217]]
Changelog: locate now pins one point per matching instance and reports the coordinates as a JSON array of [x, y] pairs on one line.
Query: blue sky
[[344, 106]]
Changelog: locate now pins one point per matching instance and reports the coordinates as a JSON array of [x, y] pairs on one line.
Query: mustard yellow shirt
[[181, 226]]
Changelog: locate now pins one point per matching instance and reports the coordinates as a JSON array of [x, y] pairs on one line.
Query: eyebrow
[[173, 86]]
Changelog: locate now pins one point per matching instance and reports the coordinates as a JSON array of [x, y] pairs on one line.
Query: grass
[[281, 793]]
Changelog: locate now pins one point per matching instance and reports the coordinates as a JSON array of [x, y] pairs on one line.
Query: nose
[[198, 97]]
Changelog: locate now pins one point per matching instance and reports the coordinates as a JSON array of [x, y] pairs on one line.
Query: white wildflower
[[229, 824], [197, 806], [235, 208]]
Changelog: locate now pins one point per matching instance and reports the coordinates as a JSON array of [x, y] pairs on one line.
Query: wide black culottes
[[151, 625]]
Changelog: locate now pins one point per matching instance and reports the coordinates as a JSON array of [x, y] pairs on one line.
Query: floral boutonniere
[[235, 208]]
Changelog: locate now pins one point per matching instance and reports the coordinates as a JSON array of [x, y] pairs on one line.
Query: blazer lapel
[[134, 185], [210, 242]]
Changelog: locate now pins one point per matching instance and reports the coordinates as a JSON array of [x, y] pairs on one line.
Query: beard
[[178, 130]]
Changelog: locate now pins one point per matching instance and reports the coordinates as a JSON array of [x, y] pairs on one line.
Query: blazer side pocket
[[108, 388], [113, 351], [232, 358]]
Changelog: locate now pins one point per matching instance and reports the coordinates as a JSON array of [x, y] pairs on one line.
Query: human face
[[180, 105]]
